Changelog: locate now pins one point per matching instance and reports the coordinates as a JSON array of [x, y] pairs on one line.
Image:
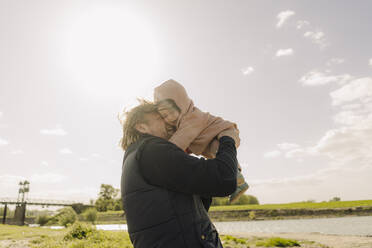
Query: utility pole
[[20, 212]]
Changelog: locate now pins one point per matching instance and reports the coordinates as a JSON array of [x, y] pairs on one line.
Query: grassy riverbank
[[297, 205], [268, 211], [84, 236]]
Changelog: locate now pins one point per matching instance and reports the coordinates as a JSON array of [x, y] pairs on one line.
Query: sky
[[296, 77]]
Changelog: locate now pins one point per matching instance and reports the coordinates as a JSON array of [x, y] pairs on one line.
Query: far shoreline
[[329, 240]]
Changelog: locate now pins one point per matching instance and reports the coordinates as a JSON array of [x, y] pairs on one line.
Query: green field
[[115, 216], [308, 205], [81, 235]]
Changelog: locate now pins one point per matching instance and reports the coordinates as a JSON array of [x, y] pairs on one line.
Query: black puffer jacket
[[162, 189]]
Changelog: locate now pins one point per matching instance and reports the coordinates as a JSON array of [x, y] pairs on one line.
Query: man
[[164, 190]]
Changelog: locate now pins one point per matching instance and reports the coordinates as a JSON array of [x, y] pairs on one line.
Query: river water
[[361, 225]]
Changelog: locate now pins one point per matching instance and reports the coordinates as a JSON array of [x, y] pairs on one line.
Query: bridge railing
[[38, 201]]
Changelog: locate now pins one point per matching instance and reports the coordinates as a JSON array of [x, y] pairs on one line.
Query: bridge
[[20, 211], [39, 202]]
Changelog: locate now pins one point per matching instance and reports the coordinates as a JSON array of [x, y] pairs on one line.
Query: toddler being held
[[194, 131]]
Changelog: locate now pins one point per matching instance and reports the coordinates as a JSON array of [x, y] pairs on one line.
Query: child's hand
[[231, 132]]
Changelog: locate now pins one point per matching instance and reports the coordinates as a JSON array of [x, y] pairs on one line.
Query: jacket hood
[[171, 89]]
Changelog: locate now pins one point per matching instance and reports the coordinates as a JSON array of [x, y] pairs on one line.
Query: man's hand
[[233, 133]]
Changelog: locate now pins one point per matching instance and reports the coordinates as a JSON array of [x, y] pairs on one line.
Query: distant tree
[[107, 199], [310, 201], [246, 200], [64, 217], [108, 192], [243, 200], [335, 199], [79, 207], [90, 215], [42, 219], [118, 204], [220, 201]]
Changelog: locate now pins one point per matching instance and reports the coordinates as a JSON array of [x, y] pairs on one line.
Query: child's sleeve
[[191, 125]]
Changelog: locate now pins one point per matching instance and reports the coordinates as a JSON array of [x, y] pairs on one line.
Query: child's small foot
[[240, 190]]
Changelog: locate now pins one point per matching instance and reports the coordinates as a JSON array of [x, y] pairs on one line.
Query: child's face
[[169, 113]]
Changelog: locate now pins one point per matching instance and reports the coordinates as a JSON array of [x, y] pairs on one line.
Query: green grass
[[47, 238], [278, 242], [82, 235], [308, 205], [23, 232]]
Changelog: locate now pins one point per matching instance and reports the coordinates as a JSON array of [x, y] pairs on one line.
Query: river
[[360, 225]]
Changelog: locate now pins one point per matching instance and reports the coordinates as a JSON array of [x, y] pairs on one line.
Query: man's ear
[[141, 127]]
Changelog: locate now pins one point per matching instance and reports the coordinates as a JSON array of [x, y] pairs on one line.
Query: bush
[[65, 217], [80, 231], [247, 200], [335, 199], [220, 201], [278, 242], [252, 215], [42, 219], [90, 215]]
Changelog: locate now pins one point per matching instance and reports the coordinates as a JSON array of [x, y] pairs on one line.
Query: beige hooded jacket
[[196, 130]]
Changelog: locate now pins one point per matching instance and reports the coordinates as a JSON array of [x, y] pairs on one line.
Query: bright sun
[[112, 51]]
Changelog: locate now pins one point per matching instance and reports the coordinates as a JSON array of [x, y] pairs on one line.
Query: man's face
[[155, 125]]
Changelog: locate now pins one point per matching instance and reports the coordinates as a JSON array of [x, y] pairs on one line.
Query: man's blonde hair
[[129, 120]]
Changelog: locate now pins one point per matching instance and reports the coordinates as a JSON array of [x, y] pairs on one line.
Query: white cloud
[[10, 180], [287, 146], [272, 154], [96, 155], [1, 114], [351, 106], [9, 185], [283, 17], [345, 150], [47, 178], [302, 23], [298, 180], [3, 142], [15, 152], [300, 153], [347, 118], [81, 194], [314, 78], [352, 142], [335, 61], [370, 62], [348, 145], [57, 132], [320, 185], [284, 52], [355, 90], [248, 70], [65, 151], [317, 37], [83, 159], [44, 163]]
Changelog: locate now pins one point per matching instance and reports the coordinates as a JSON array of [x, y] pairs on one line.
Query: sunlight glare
[[112, 53]]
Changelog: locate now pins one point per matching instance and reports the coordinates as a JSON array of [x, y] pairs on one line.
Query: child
[[194, 131]]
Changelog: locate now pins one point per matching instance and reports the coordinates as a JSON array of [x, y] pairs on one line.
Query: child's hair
[[170, 102]]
